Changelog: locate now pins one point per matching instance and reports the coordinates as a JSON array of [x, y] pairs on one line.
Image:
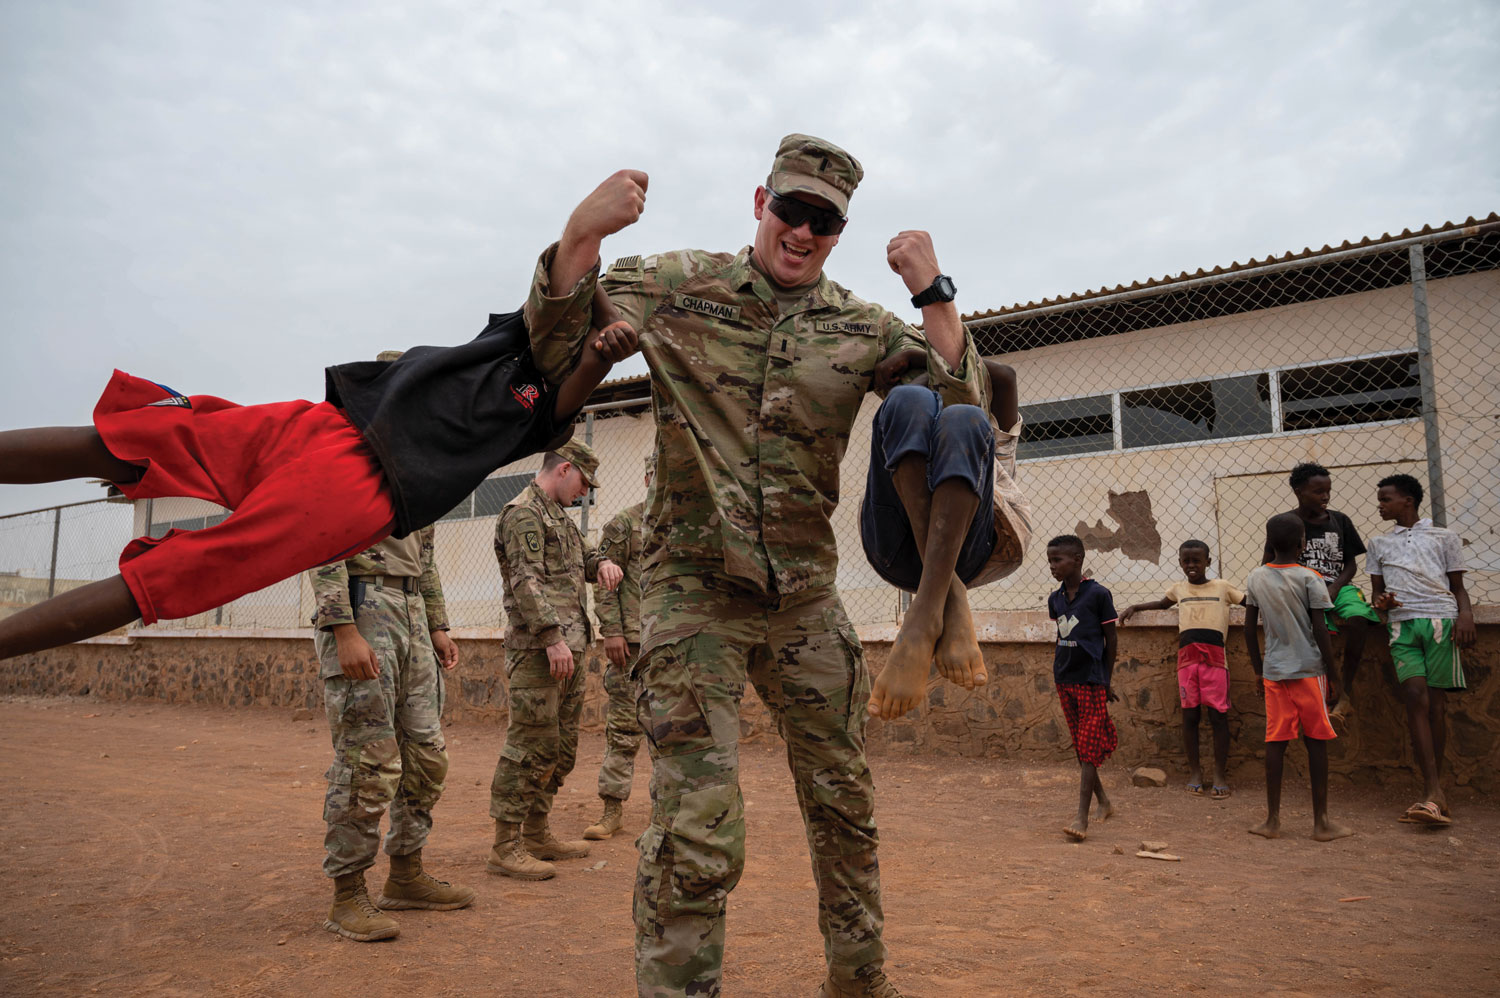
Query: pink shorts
[[304, 488], [1202, 684]]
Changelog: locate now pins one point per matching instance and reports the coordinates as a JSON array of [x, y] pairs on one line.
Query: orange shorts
[[1294, 703]]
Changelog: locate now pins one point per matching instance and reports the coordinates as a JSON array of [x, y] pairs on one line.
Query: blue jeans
[[956, 442]]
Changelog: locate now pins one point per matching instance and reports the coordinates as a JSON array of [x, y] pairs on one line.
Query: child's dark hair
[[1284, 531], [1404, 485], [1193, 544], [1067, 541], [1305, 471]]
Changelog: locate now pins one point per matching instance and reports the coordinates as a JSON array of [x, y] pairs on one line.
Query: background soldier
[[759, 364], [543, 566], [620, 623], [381, 630]]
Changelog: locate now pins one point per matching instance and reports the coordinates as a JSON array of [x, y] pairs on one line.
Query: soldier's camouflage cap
[[583, 458], [815, 166]]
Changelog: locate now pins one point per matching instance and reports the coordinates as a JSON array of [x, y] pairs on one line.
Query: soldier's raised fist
[[611, 206]]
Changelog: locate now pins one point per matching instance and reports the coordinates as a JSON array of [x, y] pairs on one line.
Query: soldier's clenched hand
[[911, 255], [356, 657], [447, 651], [611, 206], [560, 660], [617, 650], [610, 574]]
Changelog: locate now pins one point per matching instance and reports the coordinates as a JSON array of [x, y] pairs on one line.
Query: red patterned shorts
[[1087, 711]]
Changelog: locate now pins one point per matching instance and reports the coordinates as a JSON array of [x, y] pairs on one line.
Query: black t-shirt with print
[[1331, 545], [440, 419]]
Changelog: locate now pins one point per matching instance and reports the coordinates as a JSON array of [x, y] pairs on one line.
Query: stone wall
[[1014, 717]]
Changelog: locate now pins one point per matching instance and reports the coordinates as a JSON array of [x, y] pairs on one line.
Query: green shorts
[[1349, 603], [1425, 648]]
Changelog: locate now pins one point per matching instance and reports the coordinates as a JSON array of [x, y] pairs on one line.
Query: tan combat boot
[[614, 814], [509, 859], [542, 844], [354, 916], [409, 886], [876, 987]]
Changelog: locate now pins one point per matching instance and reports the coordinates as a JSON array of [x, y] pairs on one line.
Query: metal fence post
[[56, 531], [1429, 387], [588, 497]]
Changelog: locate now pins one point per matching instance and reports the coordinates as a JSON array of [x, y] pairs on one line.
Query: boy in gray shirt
[[1298, 683]]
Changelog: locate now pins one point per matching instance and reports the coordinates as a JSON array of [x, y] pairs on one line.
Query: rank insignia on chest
[[717, 309], [533, 542]]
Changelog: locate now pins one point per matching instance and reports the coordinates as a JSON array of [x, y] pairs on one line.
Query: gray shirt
[[1414, 562], [1283, 593]]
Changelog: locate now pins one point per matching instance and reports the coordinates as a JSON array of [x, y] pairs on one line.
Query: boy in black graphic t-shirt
[[1333, 549]]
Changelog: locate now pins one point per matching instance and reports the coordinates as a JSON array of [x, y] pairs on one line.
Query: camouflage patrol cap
[[389, 355], [815, 166], [583, 458]]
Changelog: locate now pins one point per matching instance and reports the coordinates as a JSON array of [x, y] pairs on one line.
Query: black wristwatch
[[942, 288]]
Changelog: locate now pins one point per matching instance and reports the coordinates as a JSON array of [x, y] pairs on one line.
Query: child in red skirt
[[1082, 668], [395, 446]]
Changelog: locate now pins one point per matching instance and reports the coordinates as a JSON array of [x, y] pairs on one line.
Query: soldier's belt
[[406, 583]]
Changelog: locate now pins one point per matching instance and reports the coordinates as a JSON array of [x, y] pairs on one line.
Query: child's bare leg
[[1088, 782], [1105, 808], [58, 453], [1324, 830], [957, 654], [940, 521], [76, 614], [1437, 723], [1419, 722], [1219, 722], [1275, 758], [1354, 631], [1190, 718]]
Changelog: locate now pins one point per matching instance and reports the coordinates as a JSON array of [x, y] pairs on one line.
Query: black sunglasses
[[820, 221]]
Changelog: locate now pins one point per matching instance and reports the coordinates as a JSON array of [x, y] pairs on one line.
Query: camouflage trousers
[[622, 729], [387, 734], [704, 637], [541, 743]]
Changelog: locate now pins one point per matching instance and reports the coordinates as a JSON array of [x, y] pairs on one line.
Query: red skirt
[[303, 486]]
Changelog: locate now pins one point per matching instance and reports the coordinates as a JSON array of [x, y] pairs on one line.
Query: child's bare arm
[[889, 371], [1005, 396], [1380, 598], [613, 342], [1464, 632], [1252, 644], [1109, 661], [1165, 603]]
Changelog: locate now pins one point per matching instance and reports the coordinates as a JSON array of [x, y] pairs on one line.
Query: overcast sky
[[228, 197]]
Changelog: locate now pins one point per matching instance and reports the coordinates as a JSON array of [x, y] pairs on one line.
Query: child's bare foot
[[1104, 811], [1269, 829], [1327, 831], [957, 654], [1077, 831], [901, 685]]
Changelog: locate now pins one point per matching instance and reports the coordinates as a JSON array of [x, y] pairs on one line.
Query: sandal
[[1221, 793], [1427, 813], [1196, 789]]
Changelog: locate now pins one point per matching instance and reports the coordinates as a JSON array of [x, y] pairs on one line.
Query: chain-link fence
[[1153, 414]]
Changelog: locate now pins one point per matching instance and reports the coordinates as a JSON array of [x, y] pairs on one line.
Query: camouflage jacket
[[389, 557], [620, 611], [544, 565], [753, 408]]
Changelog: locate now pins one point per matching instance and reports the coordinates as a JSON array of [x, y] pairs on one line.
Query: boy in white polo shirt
[[1417, 575]]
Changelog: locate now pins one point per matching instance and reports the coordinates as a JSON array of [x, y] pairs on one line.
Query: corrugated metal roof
[[1307, 253]]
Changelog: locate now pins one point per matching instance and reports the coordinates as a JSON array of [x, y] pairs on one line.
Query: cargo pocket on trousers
[[669, 705], [338, 805], [858, 687]]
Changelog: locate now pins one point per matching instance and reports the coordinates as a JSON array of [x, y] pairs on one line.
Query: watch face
[[945, 287]]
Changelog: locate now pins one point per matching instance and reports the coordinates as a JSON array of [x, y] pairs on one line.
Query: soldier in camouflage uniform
[[381, 632], [620, 624], [543, 566], [759, 364]]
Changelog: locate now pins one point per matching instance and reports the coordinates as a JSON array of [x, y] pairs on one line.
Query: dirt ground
[[172, 850]]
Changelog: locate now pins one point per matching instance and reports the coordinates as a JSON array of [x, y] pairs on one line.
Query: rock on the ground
[[1153, 846], [302, 714], [1147, 776]]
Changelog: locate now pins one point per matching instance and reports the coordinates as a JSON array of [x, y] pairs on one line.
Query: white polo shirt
[[1414, 563]]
